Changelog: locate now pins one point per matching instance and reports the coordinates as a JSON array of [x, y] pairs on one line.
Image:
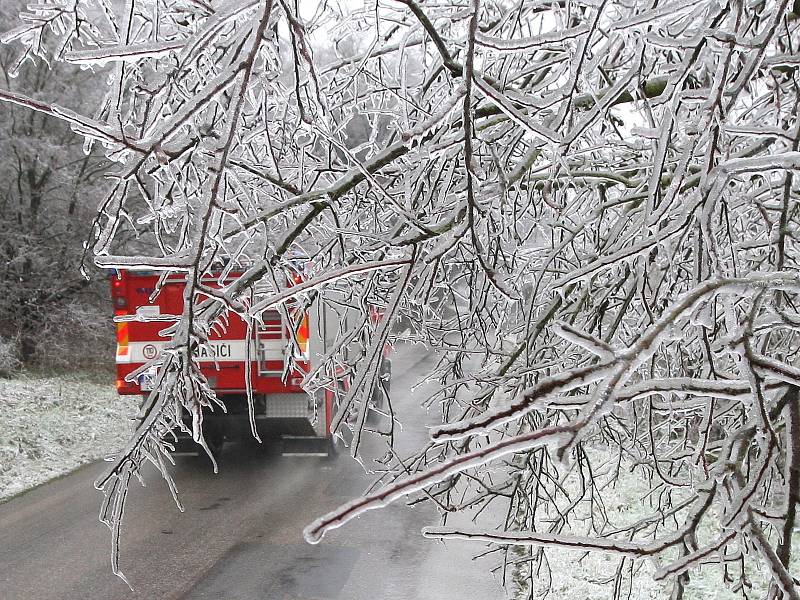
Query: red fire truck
[[281, 405]]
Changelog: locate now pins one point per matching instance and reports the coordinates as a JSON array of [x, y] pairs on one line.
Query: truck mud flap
[[187, 447], [306, 445]]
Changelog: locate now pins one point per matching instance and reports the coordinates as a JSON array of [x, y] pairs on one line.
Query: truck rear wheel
[[215, 439]]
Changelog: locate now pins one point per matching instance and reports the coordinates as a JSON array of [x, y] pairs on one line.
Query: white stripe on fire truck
[[217, 350]]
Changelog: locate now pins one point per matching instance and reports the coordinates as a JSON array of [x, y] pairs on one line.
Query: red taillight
[[118, 293]]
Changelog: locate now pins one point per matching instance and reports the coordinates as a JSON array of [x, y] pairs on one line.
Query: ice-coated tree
[[587, 208], [47, 188]]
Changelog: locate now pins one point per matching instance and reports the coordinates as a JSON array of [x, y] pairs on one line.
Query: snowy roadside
[[50, 426]]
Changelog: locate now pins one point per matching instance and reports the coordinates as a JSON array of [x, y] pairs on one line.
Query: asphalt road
[[240, 535]]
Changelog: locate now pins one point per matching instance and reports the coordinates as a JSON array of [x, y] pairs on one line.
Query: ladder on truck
[[273, 341], [272, 344]]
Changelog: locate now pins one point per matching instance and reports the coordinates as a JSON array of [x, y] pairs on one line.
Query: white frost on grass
[[578, 575], [575, 574], [50, 426]]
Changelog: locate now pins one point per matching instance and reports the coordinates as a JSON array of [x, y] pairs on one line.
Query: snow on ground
[[50, 426]]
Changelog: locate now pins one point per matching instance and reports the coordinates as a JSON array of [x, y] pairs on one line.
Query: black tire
[[215, 439]]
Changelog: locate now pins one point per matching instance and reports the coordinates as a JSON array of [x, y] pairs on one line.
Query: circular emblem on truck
[[149, 351]]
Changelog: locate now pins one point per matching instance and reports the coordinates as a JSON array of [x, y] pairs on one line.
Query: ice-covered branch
[[535, 538], [83, 125], [101, 56]]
